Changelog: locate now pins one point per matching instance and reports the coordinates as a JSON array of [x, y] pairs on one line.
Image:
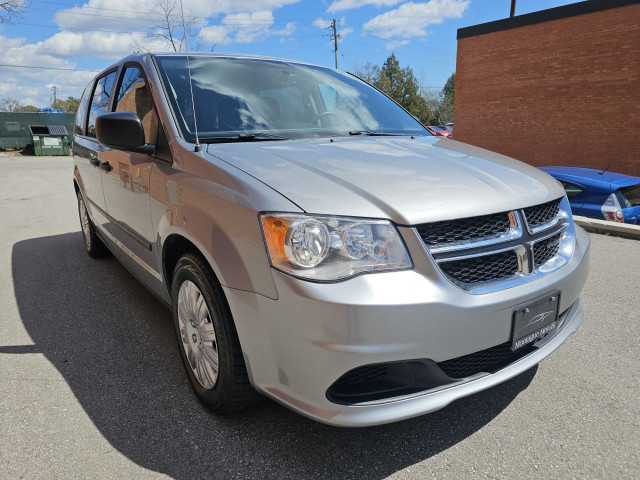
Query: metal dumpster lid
[[57, 130]]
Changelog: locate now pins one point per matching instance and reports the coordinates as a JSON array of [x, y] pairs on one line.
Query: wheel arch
[[174, 246]]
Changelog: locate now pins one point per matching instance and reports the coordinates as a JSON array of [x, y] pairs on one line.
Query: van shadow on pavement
[[114, 344]]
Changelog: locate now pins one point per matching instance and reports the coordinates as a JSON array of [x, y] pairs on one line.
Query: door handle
[[106, 167], [94, 161]]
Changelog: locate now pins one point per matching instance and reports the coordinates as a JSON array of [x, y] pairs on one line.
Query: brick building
[[554, 87]]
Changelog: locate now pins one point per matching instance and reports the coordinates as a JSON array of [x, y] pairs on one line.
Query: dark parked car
[[600, 194]]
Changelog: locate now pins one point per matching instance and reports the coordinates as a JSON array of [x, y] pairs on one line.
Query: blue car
[[600, 194]]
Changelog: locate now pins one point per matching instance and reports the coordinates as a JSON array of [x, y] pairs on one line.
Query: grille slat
[[365, 374], [465, 229], [463, 247], [484, 361], [546, 249], [540, 214], [482, 269]]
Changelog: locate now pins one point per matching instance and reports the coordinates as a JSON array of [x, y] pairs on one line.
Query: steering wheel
[[326, 115]]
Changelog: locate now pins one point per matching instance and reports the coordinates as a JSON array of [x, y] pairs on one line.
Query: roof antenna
[[193, 103], [602, 172]]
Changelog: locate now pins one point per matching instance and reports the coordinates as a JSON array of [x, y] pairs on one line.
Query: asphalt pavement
[[91, 385]]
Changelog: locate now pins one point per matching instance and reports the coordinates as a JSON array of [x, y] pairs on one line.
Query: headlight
[[332, 248]]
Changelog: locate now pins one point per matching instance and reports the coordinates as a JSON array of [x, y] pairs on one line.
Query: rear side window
[[631, 195], [134, 96], [572, 189], [100, 101], [81, 115]]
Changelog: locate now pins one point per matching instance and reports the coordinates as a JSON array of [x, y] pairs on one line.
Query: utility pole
[[55, 95], [513, 8], [335, 36]]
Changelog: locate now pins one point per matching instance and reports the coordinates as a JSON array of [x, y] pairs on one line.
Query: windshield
[[248, 96]]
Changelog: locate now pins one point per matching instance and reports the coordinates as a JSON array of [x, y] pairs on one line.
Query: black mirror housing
[[122, 130]]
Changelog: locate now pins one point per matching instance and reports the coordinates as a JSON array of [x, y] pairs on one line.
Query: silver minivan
[[315, 243]]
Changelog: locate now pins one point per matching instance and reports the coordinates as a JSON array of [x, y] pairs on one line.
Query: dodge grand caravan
[[315, 243]]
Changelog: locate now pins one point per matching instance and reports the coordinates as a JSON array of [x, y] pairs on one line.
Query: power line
[[64, 51], [144, 12], [145, 33], [405, 54], [430, 50], [48, 68], [160, 14]]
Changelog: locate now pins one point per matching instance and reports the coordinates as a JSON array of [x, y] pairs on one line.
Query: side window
[[571, 189], [134, 96], [81, 114], [100, 101]]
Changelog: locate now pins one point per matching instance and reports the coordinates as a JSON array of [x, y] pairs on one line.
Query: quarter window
[[100, 101], [133, 96], [81, 115]]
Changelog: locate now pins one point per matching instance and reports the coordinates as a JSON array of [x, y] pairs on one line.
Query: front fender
[[233, 265], [217, 211]]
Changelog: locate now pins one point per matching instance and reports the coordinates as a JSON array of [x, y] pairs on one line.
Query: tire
[[94, 245], [194, 285]]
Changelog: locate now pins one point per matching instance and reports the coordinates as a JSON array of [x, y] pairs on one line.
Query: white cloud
[[339, 5], [321, 23], [324, 23], [345, 31], [32, 85], [396, 43], [243, 28], [112, 29], [135, 14], [412, 18]]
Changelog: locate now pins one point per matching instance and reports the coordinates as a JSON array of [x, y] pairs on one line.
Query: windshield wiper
[[371, 133], [244, 137]]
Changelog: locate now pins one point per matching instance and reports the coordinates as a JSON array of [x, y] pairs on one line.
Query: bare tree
[[367, 72], [171, 26], [10, 9], [10, 105]]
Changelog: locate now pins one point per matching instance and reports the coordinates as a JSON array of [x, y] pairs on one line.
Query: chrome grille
[[465, 229], [538, 215], [495, 251], [545, 250], [482, 269]]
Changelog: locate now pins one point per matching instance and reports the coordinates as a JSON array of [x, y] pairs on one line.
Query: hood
[[407, 181]]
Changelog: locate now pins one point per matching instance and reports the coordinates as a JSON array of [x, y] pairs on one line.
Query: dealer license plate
[[534, 320]]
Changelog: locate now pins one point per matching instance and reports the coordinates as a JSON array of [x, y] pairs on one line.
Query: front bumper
[[297, 346]]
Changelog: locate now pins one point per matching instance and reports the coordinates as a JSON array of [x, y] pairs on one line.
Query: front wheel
[[95, 247], [207, 338]]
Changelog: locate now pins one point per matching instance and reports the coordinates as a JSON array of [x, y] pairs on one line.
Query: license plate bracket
[[534, 320]]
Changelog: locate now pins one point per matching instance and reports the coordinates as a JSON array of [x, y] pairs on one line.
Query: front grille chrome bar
[[539, 251], [514, 232]]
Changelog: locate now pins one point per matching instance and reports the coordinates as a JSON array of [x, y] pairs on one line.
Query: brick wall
[[558, 92]]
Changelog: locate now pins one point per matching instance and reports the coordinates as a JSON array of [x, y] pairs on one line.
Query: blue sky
[[81, 37]]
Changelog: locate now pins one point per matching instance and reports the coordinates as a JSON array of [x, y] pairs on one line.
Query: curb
[[625, 230]]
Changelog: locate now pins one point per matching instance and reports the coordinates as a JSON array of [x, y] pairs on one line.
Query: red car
[[439, 131]]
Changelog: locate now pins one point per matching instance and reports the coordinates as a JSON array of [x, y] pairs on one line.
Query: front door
[[87, 150], [126, 180]]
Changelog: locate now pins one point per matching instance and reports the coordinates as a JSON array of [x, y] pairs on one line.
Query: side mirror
[[123, 130]]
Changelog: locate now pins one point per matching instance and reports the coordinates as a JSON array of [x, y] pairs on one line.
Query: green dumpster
[[50, 139]]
